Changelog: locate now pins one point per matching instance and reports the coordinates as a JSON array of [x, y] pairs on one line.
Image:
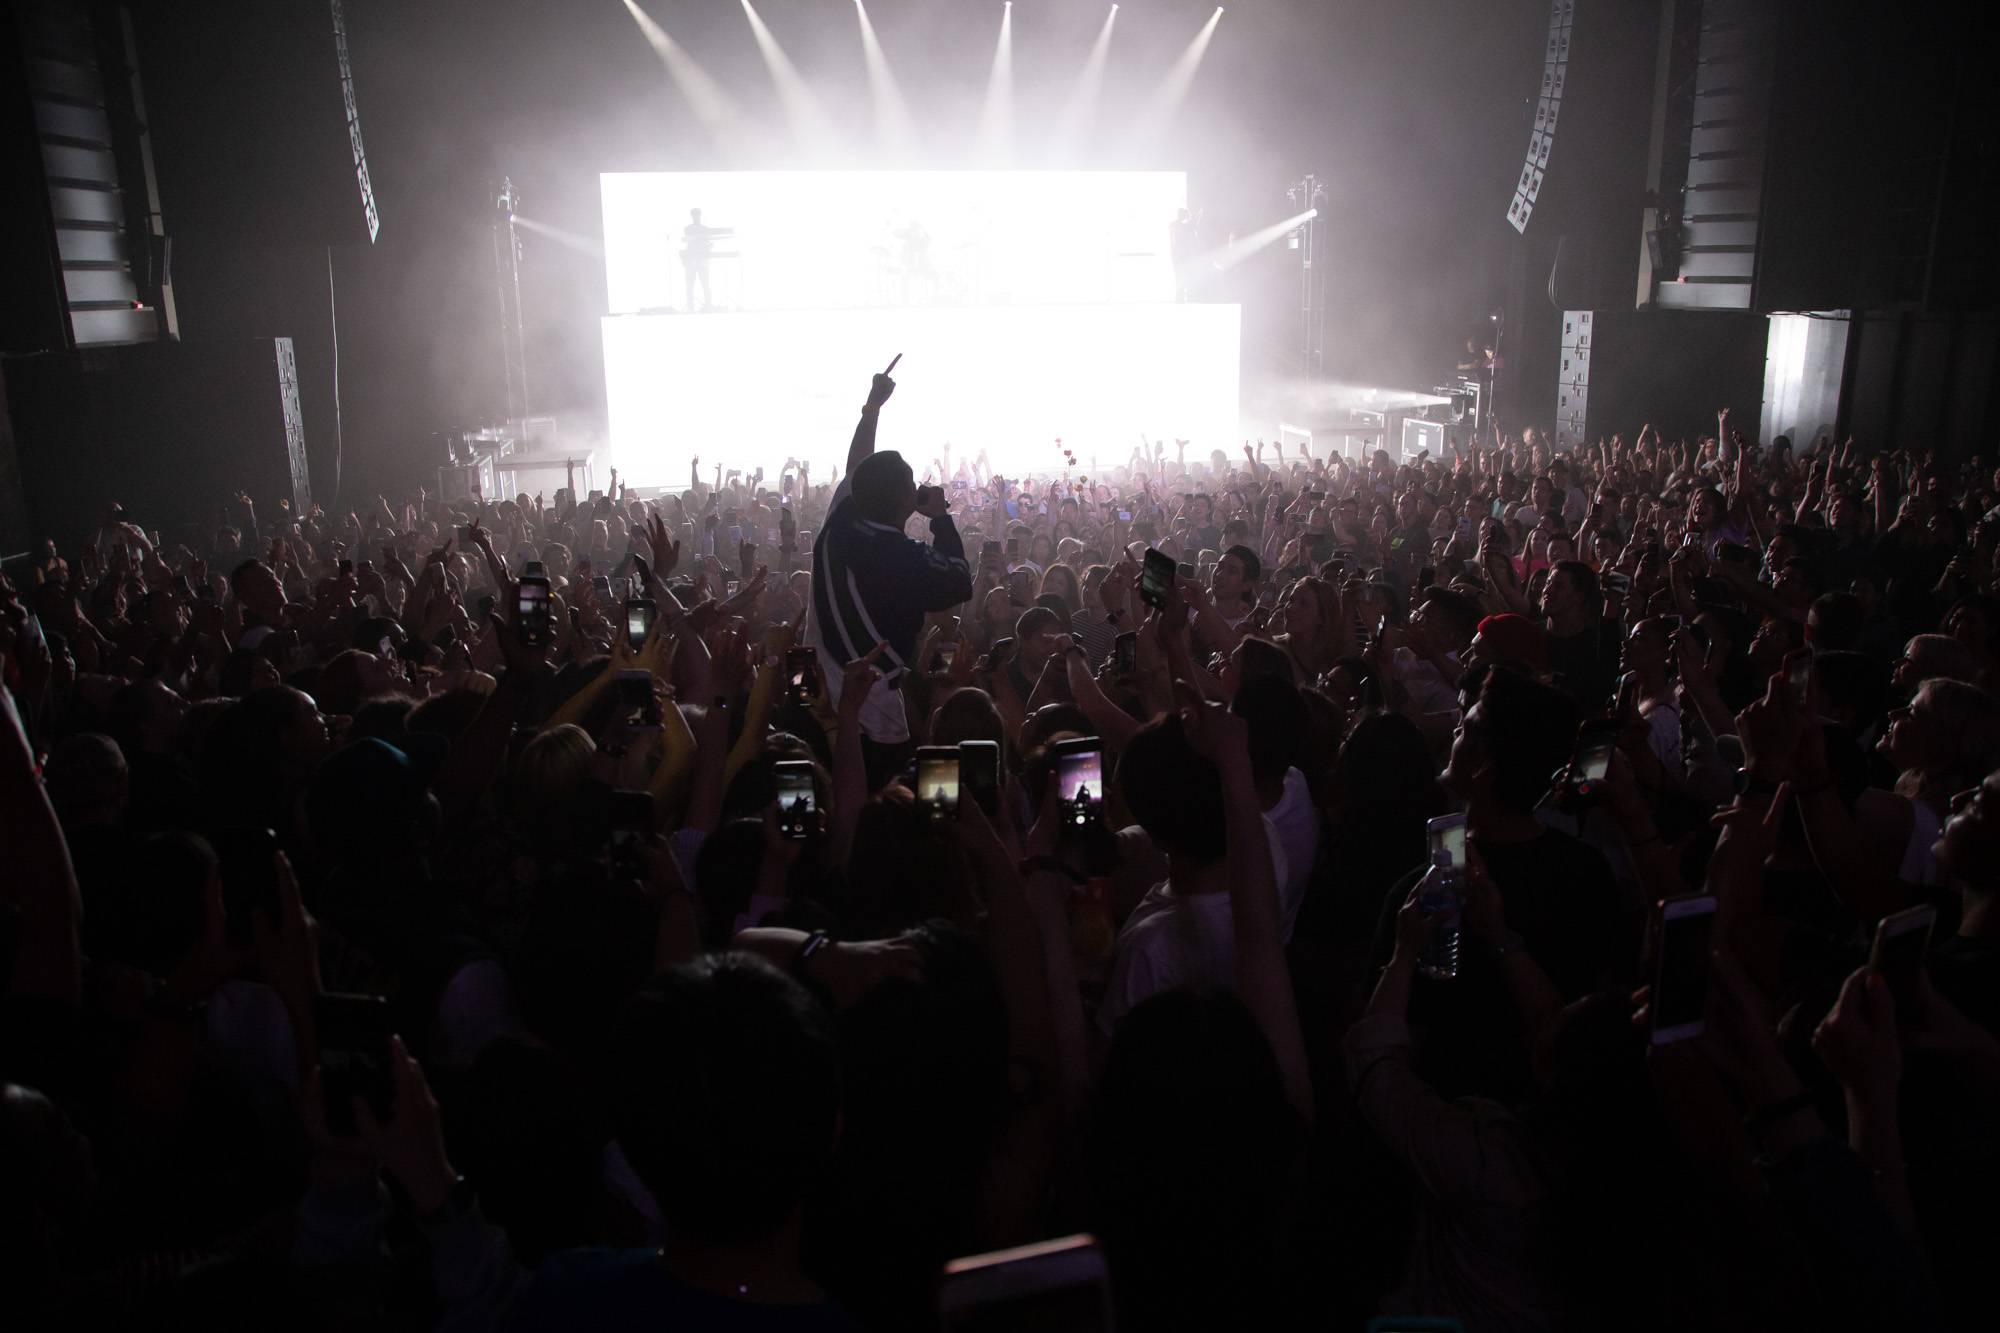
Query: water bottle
[[1442, 899]]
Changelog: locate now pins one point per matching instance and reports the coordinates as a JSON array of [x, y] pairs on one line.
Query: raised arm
[[863, 443], [1263, 979]]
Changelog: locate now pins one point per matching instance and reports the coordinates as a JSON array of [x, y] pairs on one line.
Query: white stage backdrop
[[1012, 380], [1029, 306], [813, 239]]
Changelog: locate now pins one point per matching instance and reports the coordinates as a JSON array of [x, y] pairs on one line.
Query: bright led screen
[[744, 389], [800, 240]]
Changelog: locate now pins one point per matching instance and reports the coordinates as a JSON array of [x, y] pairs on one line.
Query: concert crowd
[[722, 908]]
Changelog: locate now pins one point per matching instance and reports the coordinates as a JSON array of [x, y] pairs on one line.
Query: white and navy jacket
[[872, 584]]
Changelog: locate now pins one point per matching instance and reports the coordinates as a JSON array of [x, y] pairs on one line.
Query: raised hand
[[666, 551]]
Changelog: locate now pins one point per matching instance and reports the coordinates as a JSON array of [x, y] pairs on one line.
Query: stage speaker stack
[[1573, 381]]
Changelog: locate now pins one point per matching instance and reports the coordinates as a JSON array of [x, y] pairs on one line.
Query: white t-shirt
[[1663, 721], [1170, 942], [1293, 824]]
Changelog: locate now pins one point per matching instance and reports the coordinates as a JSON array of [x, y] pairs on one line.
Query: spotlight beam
[[996, 114], [1223, 258], [809, 122], [713, 107], [1166, 100], [568, 239], [893, 127], [1081, 107]]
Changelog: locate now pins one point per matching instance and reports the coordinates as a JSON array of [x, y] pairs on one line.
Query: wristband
[[814, 942]]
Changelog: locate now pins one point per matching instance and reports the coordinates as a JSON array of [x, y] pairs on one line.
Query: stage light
[[1082, 104], [893, 128], [712, 106], [996, 115], [802, 109]]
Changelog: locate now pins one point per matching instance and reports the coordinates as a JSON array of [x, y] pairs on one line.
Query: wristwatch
[[1748, 784]]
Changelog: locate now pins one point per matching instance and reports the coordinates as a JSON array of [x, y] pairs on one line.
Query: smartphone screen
[[1901, 941], [947, 653], [1080, 781], [629, 816], [1680, 973], [637, 703], [533, 616], [353, 1033], [1156, 578], [1447, 839], [979, 773], [1013, 547], [1593, 755], [797, 815], [640, 612], [601, 585], [937, 781], [799, 677], [990, 549], [1125, 651]]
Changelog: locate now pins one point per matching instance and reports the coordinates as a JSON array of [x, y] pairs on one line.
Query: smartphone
[[640, 613], [1798, 675], [798, 816], [1125, 651], [353, 1033], [1592, 760], [601, 586], [465, 533], [636, 701], [630, 820], [947, 653], [937, 782], [1447, 842], [990, 550], [801, 682], [247, 861], [1426, 577], [730, 589], [1080, 782], [1901, 941], [534, 620], [1156, 578], [1679, 999], [997, 655], [1053, 1286], [346, 568], [1124, 516], [979, 773], [928, 494], [1186, 571], [1013, 548], [1626, 706]]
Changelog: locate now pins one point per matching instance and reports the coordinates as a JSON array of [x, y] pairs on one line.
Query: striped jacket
[[872, 584]]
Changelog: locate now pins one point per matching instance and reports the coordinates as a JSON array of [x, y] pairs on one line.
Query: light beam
[[996, 115], [802, 109], [713, 107], [893, 127], [1225, 257], [1081, 107], [1166, 100]]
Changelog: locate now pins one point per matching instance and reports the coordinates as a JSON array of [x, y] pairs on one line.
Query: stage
[[1029, 307]]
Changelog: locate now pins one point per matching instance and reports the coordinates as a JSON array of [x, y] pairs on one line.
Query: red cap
[[1512, 638]]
